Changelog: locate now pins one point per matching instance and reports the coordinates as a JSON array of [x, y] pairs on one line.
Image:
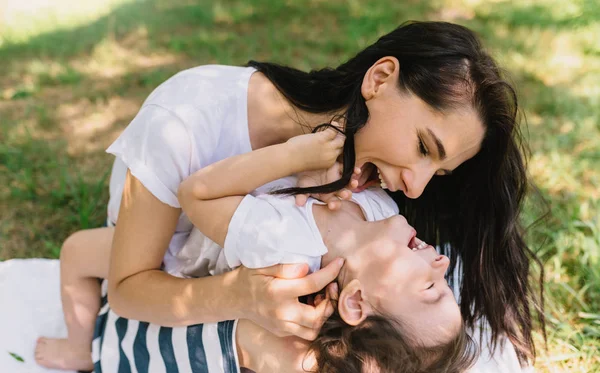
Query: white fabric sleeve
[[264, 229], [376, 204], [157, 149]]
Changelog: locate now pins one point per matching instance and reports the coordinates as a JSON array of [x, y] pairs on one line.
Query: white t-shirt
[[192, 120], [270, 229]]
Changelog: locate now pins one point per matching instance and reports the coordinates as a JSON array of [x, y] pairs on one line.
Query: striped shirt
[[129, 346]]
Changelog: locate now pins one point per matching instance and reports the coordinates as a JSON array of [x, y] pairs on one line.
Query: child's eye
[[431, 286]]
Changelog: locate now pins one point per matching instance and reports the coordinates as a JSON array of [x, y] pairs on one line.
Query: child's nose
[[441, 262]]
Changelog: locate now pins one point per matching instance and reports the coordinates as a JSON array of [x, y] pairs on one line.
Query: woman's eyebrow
[[438, 144]]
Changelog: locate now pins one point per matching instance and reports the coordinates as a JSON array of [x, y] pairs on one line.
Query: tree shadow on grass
[[61, 44], [45, 198], [516, 14]]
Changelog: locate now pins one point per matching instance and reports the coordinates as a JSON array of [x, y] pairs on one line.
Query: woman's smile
[[371, 175]]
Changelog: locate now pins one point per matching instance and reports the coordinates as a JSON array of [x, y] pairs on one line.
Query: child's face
[[409, 284]]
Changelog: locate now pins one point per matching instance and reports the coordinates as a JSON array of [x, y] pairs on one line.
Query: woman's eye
[[422, 148]]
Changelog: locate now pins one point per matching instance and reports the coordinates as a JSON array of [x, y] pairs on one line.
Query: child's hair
[[383, 345]]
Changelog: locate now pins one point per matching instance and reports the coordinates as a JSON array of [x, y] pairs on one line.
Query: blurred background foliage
[[74, 73]]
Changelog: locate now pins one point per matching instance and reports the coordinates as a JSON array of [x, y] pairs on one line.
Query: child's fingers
[[344, 194], [353, 184], [332, 200], [331, 133], [339, 140], [335, 133], [334, 204], [301, 199]]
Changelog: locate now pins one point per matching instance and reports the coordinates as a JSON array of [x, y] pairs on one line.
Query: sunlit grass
[[74, 74], [23, 20]]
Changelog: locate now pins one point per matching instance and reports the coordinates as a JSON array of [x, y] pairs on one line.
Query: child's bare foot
[[59, 354]]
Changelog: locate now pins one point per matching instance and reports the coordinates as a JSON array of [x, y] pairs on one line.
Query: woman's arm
[[210, 196], [138, 289]]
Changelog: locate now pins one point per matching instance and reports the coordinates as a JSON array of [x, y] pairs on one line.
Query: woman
[[423, 100]]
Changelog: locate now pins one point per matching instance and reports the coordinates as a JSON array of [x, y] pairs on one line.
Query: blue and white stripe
[[128, 346]]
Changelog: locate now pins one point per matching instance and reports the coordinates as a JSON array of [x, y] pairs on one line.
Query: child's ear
[[352, 304]]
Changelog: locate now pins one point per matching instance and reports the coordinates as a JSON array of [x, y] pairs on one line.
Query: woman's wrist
[[235, 293]]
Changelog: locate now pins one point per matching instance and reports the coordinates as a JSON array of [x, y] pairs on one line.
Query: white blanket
[[30, 307]]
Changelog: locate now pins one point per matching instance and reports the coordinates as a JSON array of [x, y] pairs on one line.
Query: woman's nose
[[416, 180]]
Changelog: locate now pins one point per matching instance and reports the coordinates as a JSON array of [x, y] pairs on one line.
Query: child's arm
[[211, 195]]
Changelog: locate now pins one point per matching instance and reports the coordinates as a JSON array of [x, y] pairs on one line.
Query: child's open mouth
[[416, 244]]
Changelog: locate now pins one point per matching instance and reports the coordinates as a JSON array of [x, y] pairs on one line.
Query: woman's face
[[405, 142]]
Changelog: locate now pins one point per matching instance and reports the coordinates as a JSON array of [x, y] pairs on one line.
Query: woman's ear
[[352, 304], [385, 70]]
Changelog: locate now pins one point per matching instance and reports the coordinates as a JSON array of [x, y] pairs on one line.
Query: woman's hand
[[326, 176], [270, 297], [316, 151]]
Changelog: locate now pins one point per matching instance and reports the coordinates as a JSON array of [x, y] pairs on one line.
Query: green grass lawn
[[73, 76]]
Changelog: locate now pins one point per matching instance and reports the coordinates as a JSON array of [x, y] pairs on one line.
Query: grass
[[73, 76]]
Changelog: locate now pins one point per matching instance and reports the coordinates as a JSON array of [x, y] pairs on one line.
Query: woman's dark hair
[[378, 345], [475, 211]]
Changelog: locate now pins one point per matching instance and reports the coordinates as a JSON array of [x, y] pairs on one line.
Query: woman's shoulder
[[210, 101], [221, 73], [202, 86]]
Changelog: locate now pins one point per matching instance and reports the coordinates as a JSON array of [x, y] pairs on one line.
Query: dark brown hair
[[378, 345], [475, 211]]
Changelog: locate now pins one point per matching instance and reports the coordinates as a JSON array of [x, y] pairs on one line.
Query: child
[[400, 283]]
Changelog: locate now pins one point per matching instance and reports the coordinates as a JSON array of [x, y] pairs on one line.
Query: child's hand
[[322, 177], [317, 151]]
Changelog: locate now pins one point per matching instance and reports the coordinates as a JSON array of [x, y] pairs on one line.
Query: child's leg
[[84, 258]]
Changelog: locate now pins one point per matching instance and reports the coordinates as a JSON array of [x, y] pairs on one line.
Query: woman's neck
[[272, 119]]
